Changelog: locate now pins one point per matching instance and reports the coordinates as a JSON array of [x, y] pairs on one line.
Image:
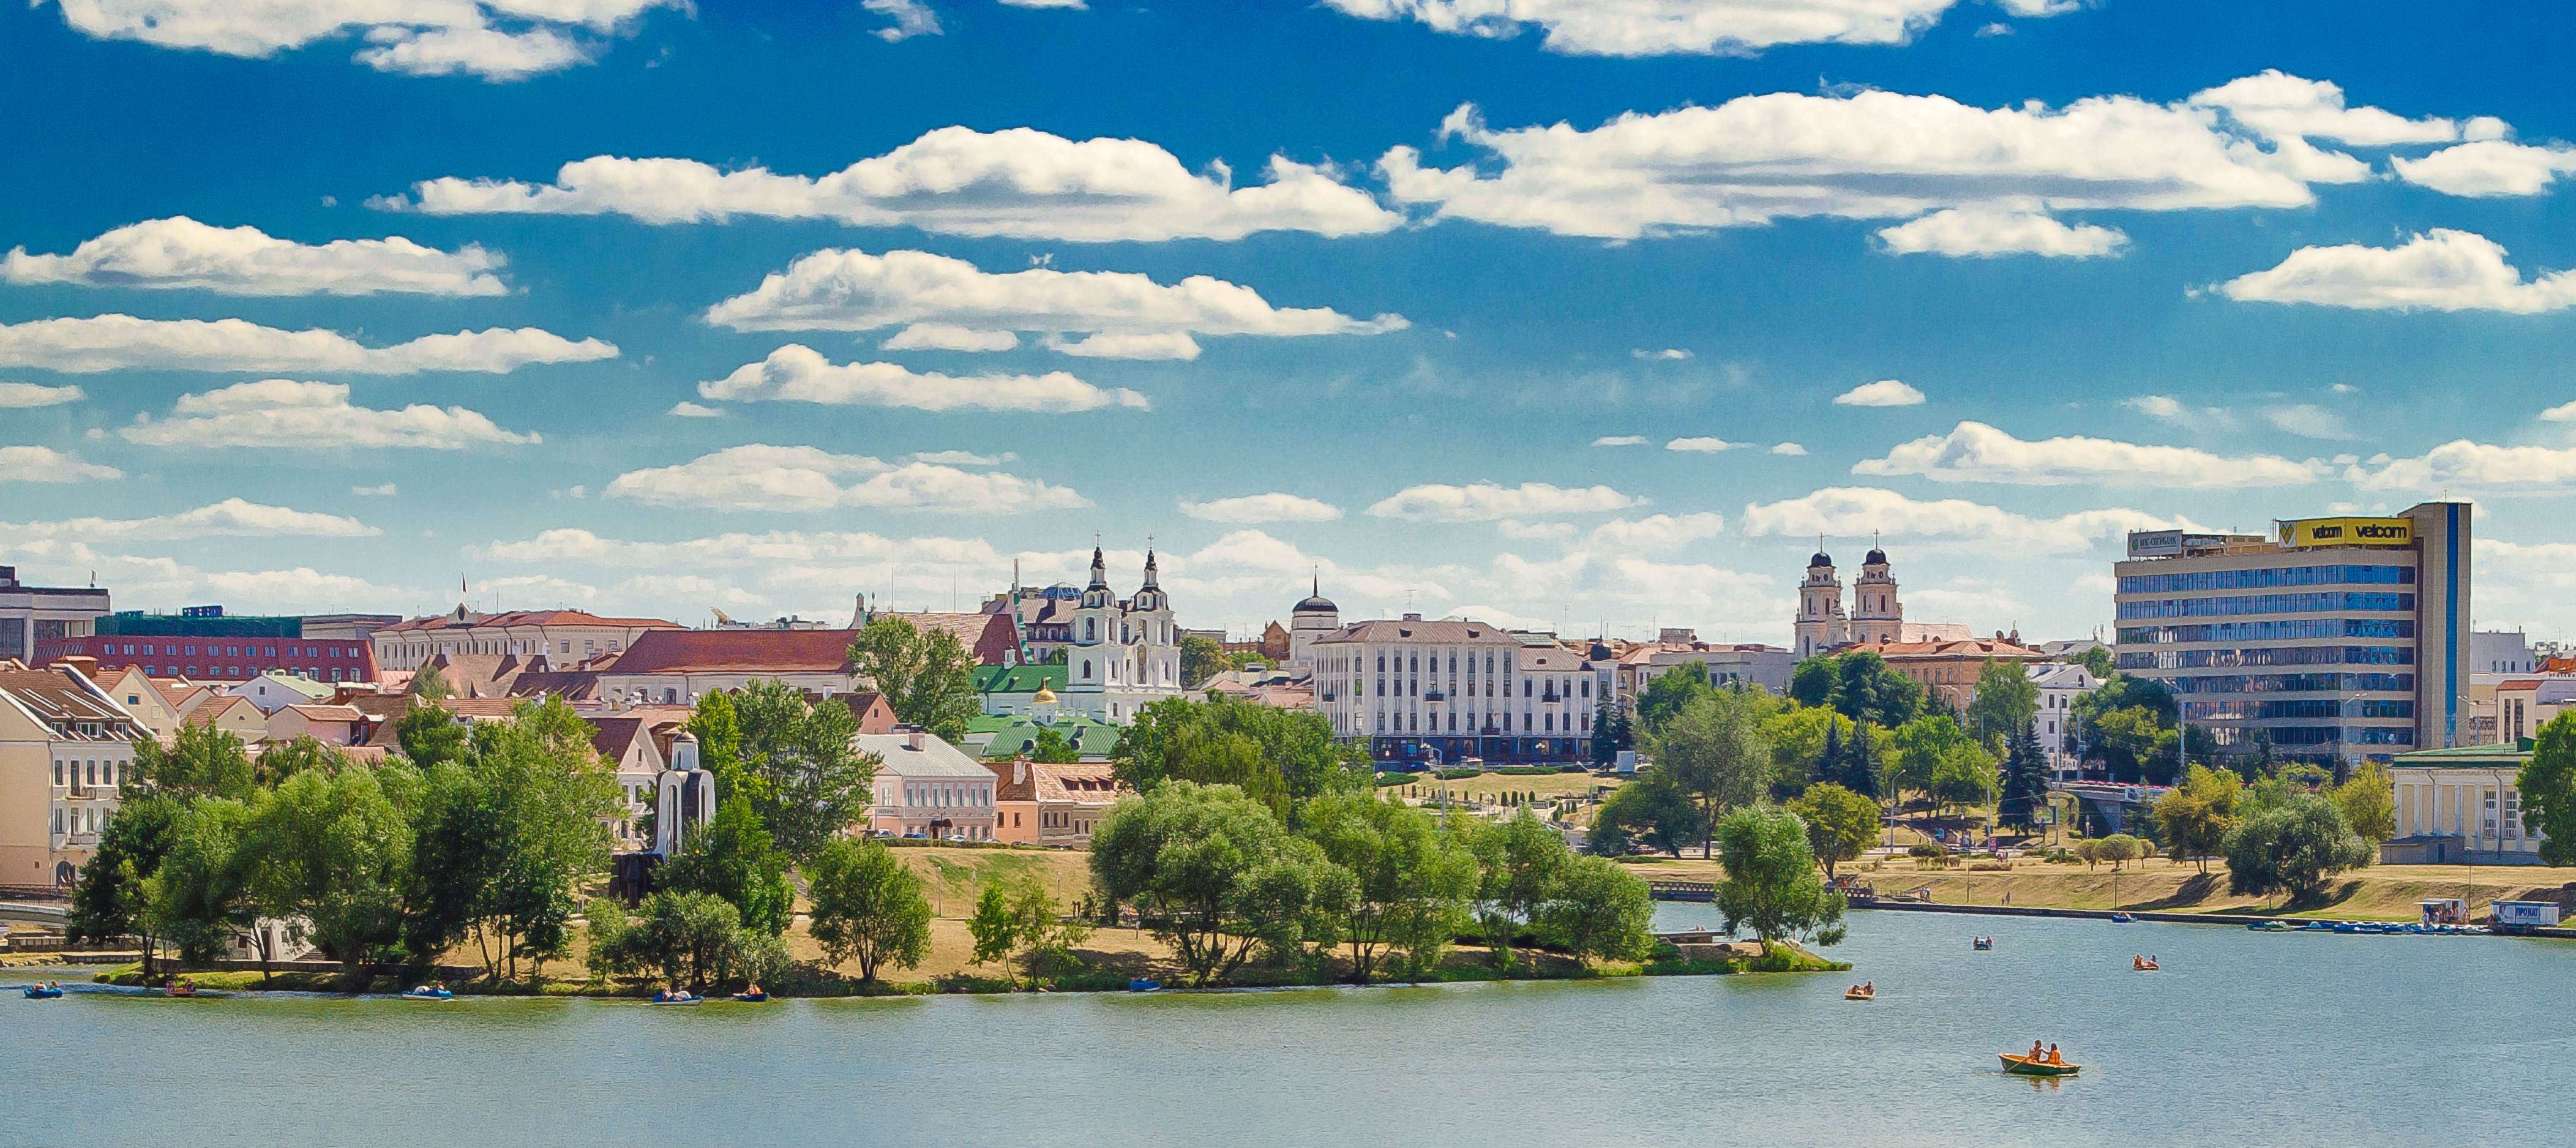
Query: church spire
[[1149, 566], [1099, 569]]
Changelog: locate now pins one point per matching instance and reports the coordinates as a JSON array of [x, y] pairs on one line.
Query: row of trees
[[1218, 875], [2285, 831], [1279, 757]]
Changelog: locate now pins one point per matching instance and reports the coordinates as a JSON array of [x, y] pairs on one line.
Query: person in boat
[[1869, 988], [2054, 1057], [2037, 1053]]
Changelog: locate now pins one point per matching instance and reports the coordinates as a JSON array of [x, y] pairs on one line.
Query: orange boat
[[2025, 1066]]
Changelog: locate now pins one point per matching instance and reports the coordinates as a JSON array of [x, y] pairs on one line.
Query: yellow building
[[65, 746]]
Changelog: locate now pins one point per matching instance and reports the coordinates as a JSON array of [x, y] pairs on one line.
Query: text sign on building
[[2348, 532], [2172, 543]]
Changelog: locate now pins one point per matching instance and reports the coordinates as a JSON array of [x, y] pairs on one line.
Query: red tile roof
[[471, 621], [706, 651]]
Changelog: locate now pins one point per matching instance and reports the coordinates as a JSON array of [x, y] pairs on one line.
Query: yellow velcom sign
[[2347, 532]]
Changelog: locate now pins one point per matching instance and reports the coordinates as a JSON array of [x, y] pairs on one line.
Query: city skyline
[[1591, 327]]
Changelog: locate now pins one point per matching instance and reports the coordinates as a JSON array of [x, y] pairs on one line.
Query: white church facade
[[1876, 614], [1124, 655]]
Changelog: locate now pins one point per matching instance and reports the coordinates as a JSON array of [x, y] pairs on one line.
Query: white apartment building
[[65, 747], [2461, 805], [2060, 684], [1440, 692]]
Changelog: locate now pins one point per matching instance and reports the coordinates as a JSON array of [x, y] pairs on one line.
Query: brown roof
[[1013, 780], [207, 714], [703, 651], [1091, 783], [463, 619], [329, 713], [613, 736], [481, 707], [1965, 648], [54, 696], [1450, 632], [875, 713], [570, 685]]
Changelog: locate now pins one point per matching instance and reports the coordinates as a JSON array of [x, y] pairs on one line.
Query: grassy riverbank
[[2381, 892]]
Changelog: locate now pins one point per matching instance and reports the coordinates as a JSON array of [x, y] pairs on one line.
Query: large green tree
[[332, 852], [2004, 704], [736, 858], [2548, 786], [801, 770], [1840, 823], [1648, 808], [1519, 861], [1714, 750], [428, 734], [1667, 695], [1394, 886], [1211, 872], [1599, 910], [2294, 846], [2368, 798], [1201, 659], [1771, 886], [928, 678], [2024, 790], [867, 907], [113, 897], [1278, 756], [2195, 816], [202, 762]]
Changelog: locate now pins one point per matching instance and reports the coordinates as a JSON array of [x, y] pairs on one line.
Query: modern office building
[[34, 614], [2338, 639], [204, 642]]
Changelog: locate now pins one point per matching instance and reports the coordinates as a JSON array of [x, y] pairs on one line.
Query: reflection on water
[[2243, 1038]]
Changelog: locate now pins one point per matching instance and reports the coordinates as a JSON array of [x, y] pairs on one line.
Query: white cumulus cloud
[[797, 373], [288, 413], [1976, 452], [1985, 233], [2463, 462], [1702, 444], [1487, 501], [45, 464], [794, 478], [1856, 510], [231, 518], [2439, 270], [498, 40], [911, 18], [1017, 182], [1621, 440], [21, 396], [1256, 508], [1672, 27], [1789, 448], [2488, 168], [118, 342], [963, 306], [180, 252], [1883, 393]]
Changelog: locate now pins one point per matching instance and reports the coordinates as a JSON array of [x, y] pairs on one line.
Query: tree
[[2368, 799], [333, 852], [1605, 733], [1599, 911], [1771, 885], [1859, 766], [1045, 936], [1812, 684], [202, 762], [1840, 823], [1397, 885], [1922, 747], [1964, 777], [1865, 690], [719, 733], [1666, 696], [1648, 806], [736, 858], [2196, 815], [2119, 849], [2548, 786], [2133, 744], [1054, 748], [1283, 757], [428, 734], [429, 686], [928, 678], [199, 897], [2005, 703], [305, 754], [2293, 846], [804, 775], [1518, 863], [2024, 790], [685, 938], [867, 906], [1713, 749], [1201, 659], [1806, 743], [1211, 873], [995, 930], [2096, 661], [113, 896]]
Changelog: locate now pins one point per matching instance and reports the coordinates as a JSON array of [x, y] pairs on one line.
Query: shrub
[[1459, 774]]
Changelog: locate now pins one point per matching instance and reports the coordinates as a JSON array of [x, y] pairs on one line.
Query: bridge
[[2109, 803]]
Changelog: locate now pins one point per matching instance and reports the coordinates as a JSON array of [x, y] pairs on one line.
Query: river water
[[2244, 1039]]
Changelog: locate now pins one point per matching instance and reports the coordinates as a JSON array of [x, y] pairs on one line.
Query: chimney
[[913, 735], [1019, 771], [88, 666], [1413, 617]]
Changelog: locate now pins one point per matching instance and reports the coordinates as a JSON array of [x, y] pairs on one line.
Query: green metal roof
[[1014, 735], [1020, 679], [2516, 752]]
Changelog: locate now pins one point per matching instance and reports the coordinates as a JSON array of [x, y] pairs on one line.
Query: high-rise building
[[2335, 639]]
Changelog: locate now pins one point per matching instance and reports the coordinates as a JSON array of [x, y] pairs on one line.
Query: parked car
[[916, 837]]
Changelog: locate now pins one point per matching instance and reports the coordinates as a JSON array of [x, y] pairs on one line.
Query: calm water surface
[[2245, 1038]]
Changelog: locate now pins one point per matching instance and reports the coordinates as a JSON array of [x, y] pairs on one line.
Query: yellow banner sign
[[2348, 532]]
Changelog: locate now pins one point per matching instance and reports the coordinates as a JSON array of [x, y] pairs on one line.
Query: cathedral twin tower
[[1876, 615]]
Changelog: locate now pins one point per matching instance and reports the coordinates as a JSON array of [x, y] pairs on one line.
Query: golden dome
[[1046, 697]]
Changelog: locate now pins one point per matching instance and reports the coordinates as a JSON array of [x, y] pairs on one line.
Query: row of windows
[[2269, 656], [97, 773], [84, 818], [2317, 735], [2265, 604], [317, 673], [942, 795], [2266, 579], [2290, 683], [1412, 688], [2298, 708], [2290, 629], [1412, 722]]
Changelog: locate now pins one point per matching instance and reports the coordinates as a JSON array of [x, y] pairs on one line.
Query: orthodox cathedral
[[1122, 655]]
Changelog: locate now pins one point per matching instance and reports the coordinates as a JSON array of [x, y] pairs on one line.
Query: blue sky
[[1375, 286]]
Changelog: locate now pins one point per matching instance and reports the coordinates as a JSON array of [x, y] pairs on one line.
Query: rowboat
[[752, 998], [2123, 919], [426, 993], [181, 989], [41, 993], [1144, 985], [1860, 995], [2025, 1066], [2270, 926], [677, 1000], [1983, 943]]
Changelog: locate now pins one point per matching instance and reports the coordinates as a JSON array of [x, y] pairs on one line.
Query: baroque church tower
[[1125, 655], [1821, 625], [1876, 615]]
